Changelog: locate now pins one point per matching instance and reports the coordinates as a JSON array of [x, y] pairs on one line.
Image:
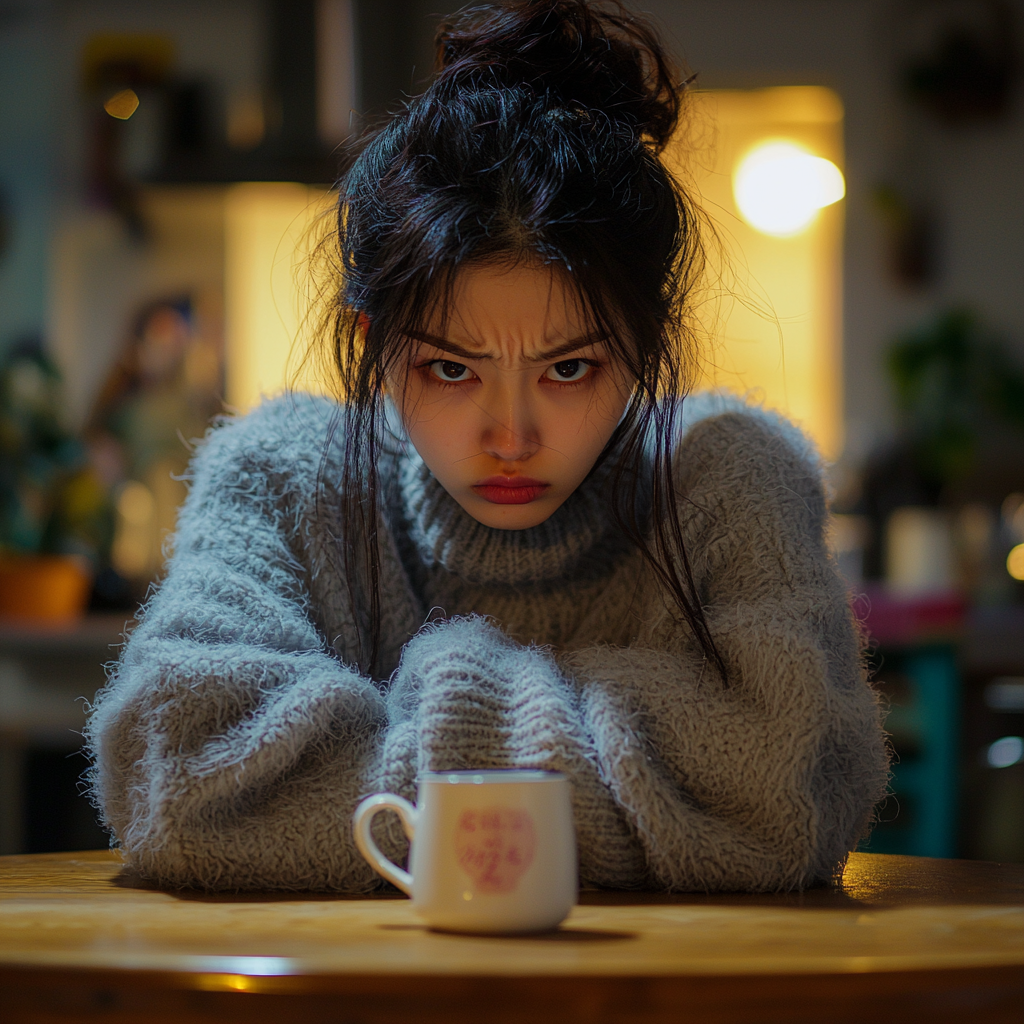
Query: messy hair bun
[[539, 141], [572, 53]]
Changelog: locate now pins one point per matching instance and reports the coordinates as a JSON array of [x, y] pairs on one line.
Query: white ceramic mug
[[492, 851]]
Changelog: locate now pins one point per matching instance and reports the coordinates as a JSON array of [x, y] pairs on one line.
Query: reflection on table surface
[[898, 912]]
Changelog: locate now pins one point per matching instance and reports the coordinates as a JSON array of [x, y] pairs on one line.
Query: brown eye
[[446, 370], [568, 370]]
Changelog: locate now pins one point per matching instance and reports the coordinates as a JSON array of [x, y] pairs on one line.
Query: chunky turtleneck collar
[[444, 535]]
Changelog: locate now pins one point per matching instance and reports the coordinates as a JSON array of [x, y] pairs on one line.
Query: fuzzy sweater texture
[[239, 729]]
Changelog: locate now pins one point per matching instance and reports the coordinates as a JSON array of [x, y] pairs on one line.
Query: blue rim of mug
[[484, 776]]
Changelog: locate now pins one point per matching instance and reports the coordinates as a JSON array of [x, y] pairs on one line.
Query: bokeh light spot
[[780, 187], [1015, 562], [1007, 751], [122, 104]]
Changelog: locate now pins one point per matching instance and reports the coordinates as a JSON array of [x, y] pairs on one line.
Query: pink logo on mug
[[495, 846]]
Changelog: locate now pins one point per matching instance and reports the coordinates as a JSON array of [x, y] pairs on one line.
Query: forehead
[[526, 301]]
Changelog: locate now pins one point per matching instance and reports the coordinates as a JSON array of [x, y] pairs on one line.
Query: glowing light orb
[[1007, 751], [1015, 562], [779, 188], [122, 104]]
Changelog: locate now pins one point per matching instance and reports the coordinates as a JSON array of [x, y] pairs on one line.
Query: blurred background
[[166, 170]]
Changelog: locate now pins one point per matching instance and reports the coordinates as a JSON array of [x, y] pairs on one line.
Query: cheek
[[436, 428], [427, 433], [591, 419]]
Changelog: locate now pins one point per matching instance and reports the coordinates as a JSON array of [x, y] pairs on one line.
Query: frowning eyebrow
[[546, 356]]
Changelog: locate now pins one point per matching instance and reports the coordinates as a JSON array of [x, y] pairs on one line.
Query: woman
[[631, 591]]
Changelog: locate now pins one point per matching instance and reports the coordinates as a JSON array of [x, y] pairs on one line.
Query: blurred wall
[[99, 274], [217, 41], [42, 143], [973, 176], [27, 134], [395, 49]]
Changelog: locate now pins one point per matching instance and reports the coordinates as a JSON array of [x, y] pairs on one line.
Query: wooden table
[[904, 939]]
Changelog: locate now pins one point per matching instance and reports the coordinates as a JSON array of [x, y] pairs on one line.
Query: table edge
[[198, 979]]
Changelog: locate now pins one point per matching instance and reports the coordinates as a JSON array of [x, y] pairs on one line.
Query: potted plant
[[960, 398], [54, 512]]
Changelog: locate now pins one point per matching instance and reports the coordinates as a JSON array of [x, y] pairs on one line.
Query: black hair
[[538, 140]]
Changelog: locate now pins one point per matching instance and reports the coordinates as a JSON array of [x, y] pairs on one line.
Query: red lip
[[510, 490]]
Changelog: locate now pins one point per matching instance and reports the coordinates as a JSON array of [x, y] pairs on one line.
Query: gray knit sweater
[[238, 731]]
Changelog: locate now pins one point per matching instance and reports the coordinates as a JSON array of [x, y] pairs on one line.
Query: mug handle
[[361, 822]]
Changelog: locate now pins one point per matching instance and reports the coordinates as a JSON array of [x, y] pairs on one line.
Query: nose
[[509, 431]]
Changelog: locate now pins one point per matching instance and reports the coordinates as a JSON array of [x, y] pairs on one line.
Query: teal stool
[[920, 818]]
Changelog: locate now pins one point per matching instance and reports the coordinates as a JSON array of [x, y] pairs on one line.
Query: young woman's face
[[511, 407]]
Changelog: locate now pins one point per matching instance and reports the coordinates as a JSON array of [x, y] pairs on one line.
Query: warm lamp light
[[122, 104], [270, 229], [780, 187], [1015, 562], [778, 333]]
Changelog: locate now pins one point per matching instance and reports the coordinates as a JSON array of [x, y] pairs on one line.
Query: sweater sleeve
[[230, 744], [768, 780]]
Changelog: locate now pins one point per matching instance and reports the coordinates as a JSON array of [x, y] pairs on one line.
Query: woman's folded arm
[[231, 744], [725, 789], [233, 766], [764, 780]]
